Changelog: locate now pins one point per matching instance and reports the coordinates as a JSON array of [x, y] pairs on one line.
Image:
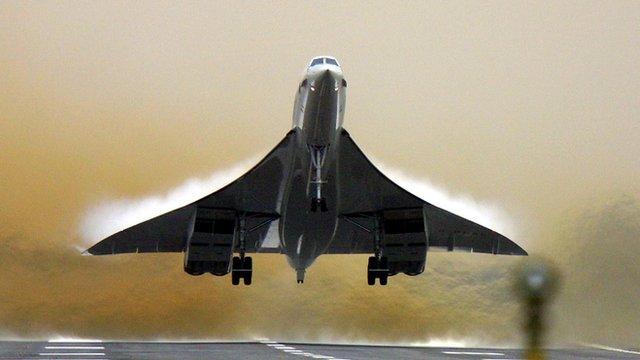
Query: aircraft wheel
[[371, 276], [371, 279], [383, 279], [235, 274], [247, 265], [384, 276]]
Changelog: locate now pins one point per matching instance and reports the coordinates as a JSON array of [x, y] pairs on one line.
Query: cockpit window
[[317, 61], [332, 62]]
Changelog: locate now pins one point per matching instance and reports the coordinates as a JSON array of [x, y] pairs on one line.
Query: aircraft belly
[[305, 234]]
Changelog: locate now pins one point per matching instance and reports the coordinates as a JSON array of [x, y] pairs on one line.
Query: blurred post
[[536, 282]]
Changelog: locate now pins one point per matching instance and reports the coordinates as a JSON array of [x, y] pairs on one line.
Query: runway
[[94, 350]]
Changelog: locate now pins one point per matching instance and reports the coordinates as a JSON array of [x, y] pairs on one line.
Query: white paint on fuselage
[[299, 247]]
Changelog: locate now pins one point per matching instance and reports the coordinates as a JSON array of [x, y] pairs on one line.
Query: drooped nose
[[329, 78], [322, 108], [322, 82]]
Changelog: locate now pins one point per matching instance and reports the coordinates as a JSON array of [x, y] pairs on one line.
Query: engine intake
[[210, 246], [404, 238]]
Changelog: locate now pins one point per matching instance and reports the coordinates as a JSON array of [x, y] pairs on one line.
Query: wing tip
[[517, 250], [510, 247], [94, 250]]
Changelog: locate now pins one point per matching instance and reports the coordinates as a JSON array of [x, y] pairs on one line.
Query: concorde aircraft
[[315, 193]]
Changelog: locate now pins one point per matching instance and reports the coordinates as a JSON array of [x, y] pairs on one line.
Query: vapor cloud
[[483, 213], [111, 216], [598, 255]]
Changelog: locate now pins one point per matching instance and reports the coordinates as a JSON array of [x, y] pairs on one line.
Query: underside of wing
[[210, 226], [374, 206]]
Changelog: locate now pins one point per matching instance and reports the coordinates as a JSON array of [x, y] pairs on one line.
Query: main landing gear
[[318, 155], [378, 268], [241, 268]]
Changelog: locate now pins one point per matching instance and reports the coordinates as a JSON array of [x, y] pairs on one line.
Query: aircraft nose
[[327, 77]]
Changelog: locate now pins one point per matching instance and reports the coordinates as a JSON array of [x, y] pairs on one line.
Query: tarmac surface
[[85, 350]]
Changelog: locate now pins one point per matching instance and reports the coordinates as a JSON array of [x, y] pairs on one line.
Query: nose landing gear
[[318, 155]]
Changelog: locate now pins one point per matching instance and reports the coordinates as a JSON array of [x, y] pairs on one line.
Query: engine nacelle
[[210, 244], [405, 240]]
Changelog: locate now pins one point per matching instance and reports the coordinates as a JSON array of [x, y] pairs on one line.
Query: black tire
[[383, 279], [248, 263], [247, 266], [371, 276], [247, 278], [384, 264], [236, 264], [373, 263]]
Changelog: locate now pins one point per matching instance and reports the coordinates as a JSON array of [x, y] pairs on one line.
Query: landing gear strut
[[378, 266], [242, 266], [318, 155]]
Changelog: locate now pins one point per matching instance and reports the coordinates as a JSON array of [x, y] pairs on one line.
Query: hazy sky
[[531, 109]]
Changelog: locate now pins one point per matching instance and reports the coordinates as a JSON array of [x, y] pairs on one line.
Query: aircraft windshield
[[323, 60], [332, 62]]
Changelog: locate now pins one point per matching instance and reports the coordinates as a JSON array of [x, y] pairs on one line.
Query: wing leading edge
[[411, 225], [365, 194], [252, 195]]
